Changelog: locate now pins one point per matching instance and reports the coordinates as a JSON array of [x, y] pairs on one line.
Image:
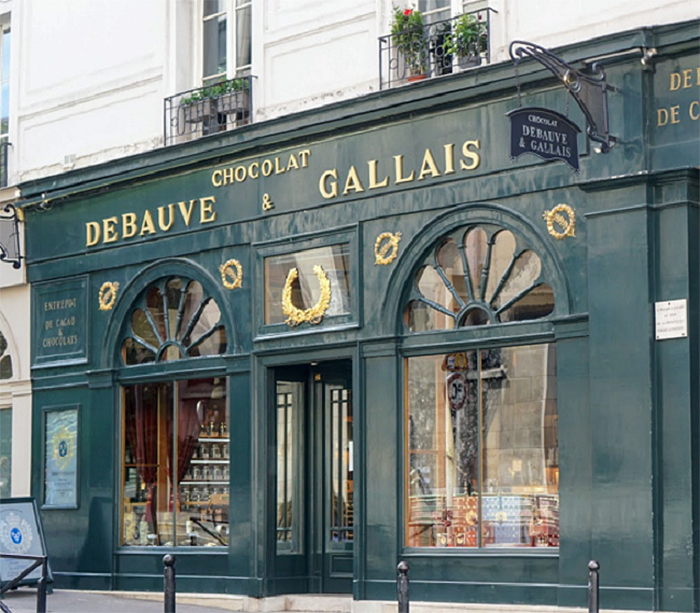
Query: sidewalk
[[23, 600]]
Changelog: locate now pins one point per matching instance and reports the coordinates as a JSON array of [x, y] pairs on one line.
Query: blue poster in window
[[61, 453]]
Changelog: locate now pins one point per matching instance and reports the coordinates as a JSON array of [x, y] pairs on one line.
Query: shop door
[[314, 477]]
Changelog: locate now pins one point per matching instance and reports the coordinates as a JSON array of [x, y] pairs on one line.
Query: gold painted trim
[[313, 315], [108, 295], [227, 270], [556, 216], [390, 247]]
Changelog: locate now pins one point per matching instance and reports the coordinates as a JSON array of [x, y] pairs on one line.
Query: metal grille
[[207, 110]]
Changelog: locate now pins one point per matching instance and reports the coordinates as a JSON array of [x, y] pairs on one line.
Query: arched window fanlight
[[476, 276], [5, 359], [175, 319]]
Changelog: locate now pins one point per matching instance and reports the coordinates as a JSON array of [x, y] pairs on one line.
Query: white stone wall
[[91, 76], [15, 393]]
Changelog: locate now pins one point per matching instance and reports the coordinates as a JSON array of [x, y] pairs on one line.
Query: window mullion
[[480, 443]]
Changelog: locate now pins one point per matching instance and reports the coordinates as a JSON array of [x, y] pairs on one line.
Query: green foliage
[[212, 92], [408, 35], [469, 37]]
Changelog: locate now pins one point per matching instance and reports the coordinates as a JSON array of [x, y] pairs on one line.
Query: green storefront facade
[[303, 350]]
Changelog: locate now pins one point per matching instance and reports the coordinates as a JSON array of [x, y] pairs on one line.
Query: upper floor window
[[4, 96], [478, 276], [226, 40], [174, 319]]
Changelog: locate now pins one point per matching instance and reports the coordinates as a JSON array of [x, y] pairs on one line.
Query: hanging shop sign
[[544, 133]]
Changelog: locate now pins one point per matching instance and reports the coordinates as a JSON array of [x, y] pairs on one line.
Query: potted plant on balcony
[[468, 40], [232, 97], [196, 107], [407, 33]]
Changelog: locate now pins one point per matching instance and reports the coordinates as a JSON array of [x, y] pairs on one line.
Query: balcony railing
[[207, 110], [438, 48], [4, 151]]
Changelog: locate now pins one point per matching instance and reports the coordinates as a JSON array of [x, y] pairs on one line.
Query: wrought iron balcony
[[215, 108], [438, 48]]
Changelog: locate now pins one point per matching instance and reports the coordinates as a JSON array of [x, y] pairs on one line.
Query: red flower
[[407, 12]]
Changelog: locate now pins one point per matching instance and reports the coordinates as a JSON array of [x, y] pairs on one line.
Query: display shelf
[[210, 461], [188, 482]]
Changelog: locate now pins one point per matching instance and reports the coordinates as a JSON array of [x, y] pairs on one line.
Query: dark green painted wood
[[629, 407]]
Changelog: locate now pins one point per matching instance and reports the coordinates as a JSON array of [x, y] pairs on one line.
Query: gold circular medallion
[[386, 248], [313, 315], [231, 274], [108, 295], [564, 217]]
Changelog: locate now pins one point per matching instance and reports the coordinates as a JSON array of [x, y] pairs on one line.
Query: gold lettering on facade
[[429, 166], [93, 233], [675, 114], [398, 166], [353, 183], [161, 217], [470, 155], [206, 210], [373, 183], [110, 235], [278, 165], [133, 224], [147, 225], [449, 159], [129, 227], [324, 182], [186, 211]]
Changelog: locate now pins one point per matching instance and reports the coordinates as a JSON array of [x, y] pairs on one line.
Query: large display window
[[175, 433], [481, 424], [176, 464], [483, 467]]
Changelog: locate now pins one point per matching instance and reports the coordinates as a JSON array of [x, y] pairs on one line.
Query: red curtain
[[188, 428], [142, 437]]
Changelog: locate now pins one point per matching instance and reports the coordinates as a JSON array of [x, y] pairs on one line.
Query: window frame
[[232, 11], [467, 338], [281, 247]]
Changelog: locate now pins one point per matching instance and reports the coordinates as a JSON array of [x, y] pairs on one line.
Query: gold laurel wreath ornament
[[386, 248], [231, 274], [108, 295], [313, 315], [567, 224]]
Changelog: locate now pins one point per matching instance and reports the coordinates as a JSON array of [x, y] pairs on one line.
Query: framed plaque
[[61, 457], [60, 322], [20, 533]]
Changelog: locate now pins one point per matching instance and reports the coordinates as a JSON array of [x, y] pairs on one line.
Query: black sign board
[[547, 134]]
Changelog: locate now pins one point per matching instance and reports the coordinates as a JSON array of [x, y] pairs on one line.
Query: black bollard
[[169, 584], [593, 587], [402, 586]]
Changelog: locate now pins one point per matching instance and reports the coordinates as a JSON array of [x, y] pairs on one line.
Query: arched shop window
[[175, 441], [481, 423]]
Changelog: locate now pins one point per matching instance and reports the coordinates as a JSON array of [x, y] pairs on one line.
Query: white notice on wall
[[671, 319]]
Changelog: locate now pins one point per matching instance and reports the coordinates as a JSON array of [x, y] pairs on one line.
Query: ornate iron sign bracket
[[9, 236], [589, 91]]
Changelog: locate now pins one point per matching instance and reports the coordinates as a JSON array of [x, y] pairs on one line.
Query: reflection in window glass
[[176, 485], [177, 321], [500, 284], [306, 291], [483, 449], [289, 403]]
